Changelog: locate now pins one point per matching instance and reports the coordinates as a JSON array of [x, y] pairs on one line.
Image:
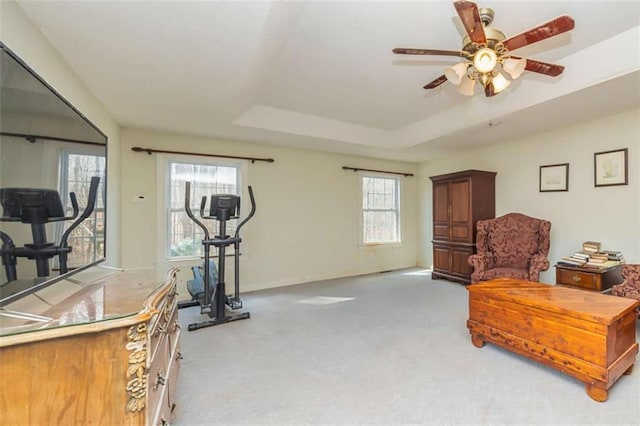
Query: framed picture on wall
[[610, 167], [554, 177]]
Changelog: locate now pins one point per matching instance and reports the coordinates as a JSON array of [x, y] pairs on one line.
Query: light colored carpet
[[389, 348]]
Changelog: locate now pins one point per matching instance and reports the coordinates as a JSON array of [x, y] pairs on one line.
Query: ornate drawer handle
[[162, 328], [160, 381], [575, 278]]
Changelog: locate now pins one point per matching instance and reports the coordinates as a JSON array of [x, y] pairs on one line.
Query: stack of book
[[591, 246], [591, 256], [598, 260], [573, 260], [614, 255]]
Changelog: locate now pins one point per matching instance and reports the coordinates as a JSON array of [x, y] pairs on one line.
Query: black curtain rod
[[33, 138], [150, 151], [355, 169]]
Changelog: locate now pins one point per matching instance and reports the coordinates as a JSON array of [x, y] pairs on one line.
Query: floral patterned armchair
[[512, 246], [630, 287]]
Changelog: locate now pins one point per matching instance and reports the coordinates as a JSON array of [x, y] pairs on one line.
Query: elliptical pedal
[[233, 303]]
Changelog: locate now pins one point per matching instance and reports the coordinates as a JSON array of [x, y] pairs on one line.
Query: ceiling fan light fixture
[[485, 60], [466, 86], [455, 73], [514, 67], [484, 79], [499, 83]]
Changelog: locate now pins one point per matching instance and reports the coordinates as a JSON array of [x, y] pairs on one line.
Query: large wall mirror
[[52, 184]]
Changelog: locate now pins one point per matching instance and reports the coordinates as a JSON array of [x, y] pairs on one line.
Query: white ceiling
[[321, 74]]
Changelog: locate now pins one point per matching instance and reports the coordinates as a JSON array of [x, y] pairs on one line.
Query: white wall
[[610, 215], [320, 240], [306, 225], [26, 41]]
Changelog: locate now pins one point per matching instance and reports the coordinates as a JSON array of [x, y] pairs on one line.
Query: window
[[380, 209], [87, 240], [184, 238]]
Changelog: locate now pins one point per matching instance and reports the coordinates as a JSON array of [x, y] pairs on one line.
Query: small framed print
[[554, 178], [610, 167]]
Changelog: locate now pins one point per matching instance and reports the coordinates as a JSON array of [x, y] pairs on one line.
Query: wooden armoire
[[460, 200]]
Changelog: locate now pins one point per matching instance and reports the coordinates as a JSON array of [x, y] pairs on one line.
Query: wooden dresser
[[101, 347], [460, 200]]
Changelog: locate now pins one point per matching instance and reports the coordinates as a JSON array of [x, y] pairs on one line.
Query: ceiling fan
[[487, 50]]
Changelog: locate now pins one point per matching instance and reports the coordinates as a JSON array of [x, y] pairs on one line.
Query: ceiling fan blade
[[470, 17], [435, 83], [549, 29], [410, 51], [552, 70]]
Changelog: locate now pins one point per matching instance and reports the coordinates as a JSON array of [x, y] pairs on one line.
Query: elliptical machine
[[211, 296], [37, 207]]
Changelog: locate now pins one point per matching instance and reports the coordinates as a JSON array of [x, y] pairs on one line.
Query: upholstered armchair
[[511, 246], [630, 286]]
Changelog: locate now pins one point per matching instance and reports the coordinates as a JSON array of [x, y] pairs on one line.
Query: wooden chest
[[587, 335]]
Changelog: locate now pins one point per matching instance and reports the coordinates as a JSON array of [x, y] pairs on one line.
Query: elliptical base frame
[[217, 321]]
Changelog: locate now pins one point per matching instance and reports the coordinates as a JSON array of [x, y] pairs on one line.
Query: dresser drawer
[[164, 361], [584, 280], [168, 404], [158, 372], [164, 321], [163, 377]]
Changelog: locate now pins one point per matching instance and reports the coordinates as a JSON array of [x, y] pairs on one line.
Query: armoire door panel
[[441, 258], [441, 203], [459, 263], [441, 232], [461, 232], [460, 201]]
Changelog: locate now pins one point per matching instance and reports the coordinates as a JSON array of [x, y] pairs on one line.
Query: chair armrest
[[631, 272], [481, 261], [628, 288], [537, 264]]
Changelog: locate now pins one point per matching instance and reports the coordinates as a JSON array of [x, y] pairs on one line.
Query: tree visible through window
[[380, 210], [184, 236], [87, 239]]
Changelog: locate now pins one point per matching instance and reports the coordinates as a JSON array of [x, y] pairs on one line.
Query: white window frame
[[397, 209], [164, 197]]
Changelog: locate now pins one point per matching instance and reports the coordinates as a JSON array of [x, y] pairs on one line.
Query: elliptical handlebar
[[187, 208], [251, 213], [91, 203], [74, 204], [203, 204]]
